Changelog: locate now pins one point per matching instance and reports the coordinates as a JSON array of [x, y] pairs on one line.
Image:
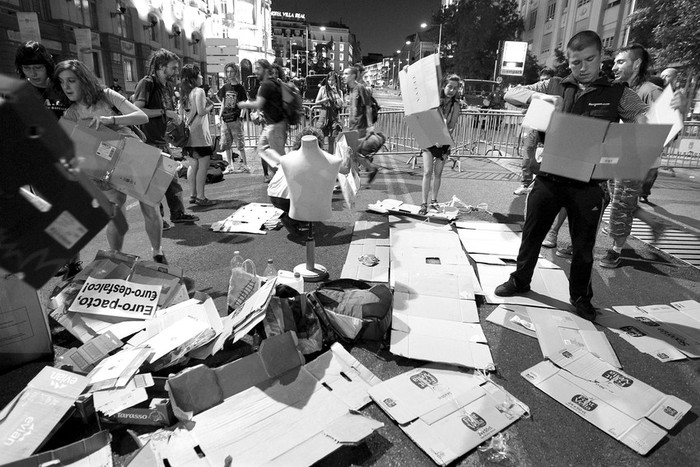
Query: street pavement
[[553, 435]]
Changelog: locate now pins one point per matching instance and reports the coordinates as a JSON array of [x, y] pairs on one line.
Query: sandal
[[193, 200], [434, 204], [204, 202], [423, 209]]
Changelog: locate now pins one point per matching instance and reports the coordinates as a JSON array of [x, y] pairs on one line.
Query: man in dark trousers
[[584, 92], [155, 95]]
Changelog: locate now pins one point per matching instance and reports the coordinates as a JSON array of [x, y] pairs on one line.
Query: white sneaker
[[522, 190]]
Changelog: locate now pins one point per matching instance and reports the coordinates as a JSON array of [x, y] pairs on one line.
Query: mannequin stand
[[310, 271]]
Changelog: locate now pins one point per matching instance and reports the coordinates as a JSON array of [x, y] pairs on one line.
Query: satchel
[[178, 134]]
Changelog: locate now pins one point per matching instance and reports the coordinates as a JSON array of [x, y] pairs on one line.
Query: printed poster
[[117, 297]]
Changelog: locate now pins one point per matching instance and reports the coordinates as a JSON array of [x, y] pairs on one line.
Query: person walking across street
[[269, 101], [330, 97], [434, 157], [155, 96], [230, 95], [360, 114], [584, 92]]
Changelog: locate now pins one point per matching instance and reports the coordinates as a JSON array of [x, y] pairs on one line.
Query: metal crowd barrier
[[479, 133]]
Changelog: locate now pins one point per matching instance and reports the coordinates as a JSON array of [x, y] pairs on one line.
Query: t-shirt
[[155, 96], [105, 107], [53, 100], [271, 91], [231, 95]]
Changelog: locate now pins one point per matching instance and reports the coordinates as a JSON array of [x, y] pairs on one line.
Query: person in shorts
[[230, 95]]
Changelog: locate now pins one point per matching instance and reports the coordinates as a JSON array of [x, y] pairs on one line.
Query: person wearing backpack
[[360, 114], [269, 100]]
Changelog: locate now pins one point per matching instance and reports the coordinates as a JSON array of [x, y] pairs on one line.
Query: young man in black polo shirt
[[584, 92], [155, 95]]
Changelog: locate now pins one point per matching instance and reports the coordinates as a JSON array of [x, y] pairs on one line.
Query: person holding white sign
[[434, 157], [584, 92]]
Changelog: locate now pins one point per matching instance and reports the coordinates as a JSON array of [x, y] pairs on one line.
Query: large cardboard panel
[[431, 238], [549, 287], [96, 151], [94, 451], [514, 317], [433, 280], [630, 150], [34, 413], [557, 329], [24, 329], [447, 412], [420, 85], [612, 400], [499, 243], [432, 307], [440, 341], [368, 238], [685, 321], [268, 399]]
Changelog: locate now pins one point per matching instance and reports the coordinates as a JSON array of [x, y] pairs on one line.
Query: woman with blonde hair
[[195, 111], [91, 100]]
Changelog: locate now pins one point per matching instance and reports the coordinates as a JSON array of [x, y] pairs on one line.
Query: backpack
[[350, 310], [375, 109], [291, 103]]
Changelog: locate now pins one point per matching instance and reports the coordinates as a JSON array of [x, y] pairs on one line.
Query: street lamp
[[425, 25], [408, 53]]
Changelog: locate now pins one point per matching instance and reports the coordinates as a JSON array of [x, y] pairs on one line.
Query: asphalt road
[[553, 435]]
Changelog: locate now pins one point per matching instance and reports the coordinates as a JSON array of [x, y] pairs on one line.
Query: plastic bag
[[243, 283], [345, 152]]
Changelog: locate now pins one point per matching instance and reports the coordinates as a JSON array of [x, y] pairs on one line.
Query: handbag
[[178, 134]]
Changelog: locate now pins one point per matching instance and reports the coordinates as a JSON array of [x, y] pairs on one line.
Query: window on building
[[177, 39], [551, 9], [92, 7], [129, 70], [96, 65], [332, 55], [533, 20], [546, 43], [127, 25], [195, 44], [341, 47], [613, 3], [583, 2], [608, 42], [341, 57]]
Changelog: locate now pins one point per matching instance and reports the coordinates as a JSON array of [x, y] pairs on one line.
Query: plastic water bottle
[[237, 260], [270, 271], [292, 279]]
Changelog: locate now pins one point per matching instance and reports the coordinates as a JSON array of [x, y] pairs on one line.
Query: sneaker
[[204, 202], [372, 175], [611, 260], [423, 209], [567, 252], [584, 309], [510, 288], [166, 226], [522, 190], [160, 259], [644, 199], [182, 218], [550, 241]]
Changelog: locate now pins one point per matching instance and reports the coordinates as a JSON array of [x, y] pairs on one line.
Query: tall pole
[[306, 49], [439, 40]]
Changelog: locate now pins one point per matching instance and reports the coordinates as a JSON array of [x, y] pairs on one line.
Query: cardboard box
[[298, 413], [33, 414], [446, 412], [84, 358], [627, 409], [131, 166], [156, 411], [420, 92], [583, 148], [368, 238], [24, 329], [88, 452]]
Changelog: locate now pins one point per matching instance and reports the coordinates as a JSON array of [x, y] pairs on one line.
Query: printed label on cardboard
[[106, 151], [66, 230], [117, 297]]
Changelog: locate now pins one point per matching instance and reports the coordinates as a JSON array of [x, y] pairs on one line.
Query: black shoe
[[182, 218], [584, 309], [372, 175], [166, 226], [510, 288], [160, 259]]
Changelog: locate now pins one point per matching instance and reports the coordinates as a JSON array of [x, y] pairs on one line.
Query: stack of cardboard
[[254, 218]]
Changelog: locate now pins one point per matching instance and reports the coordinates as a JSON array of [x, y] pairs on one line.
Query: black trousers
[[584, 206]]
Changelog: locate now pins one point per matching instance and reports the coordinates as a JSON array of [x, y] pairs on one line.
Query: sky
[[381, 26]]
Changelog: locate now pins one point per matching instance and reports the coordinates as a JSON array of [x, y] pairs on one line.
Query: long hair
[[236, 71], [159, 59], [90, 85], [188, 81], [309, 130], [455, 78], [33, 53]]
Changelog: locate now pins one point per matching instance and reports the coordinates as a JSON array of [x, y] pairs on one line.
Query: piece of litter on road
[[368, 260], [526, 324]]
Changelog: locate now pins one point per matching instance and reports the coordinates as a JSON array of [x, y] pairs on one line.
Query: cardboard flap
[[540, 372], [420, 85], [452, 403], [351, 428], [630, 150], [669, 411]]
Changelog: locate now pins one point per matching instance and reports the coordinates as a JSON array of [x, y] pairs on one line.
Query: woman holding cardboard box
[[90, 100]]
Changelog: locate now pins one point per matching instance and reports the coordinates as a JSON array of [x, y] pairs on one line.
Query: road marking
[[396, 186]]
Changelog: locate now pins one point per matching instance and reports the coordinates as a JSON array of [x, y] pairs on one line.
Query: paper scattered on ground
[[254, 218]]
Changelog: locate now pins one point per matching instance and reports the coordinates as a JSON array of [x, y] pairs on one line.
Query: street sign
[[513, 58], [499, 79]]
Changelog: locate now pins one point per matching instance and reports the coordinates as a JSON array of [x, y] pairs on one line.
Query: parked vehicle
[[480, 94]]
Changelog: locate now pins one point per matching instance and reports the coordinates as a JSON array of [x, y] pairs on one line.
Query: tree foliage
[[471, 33], [669, 28]]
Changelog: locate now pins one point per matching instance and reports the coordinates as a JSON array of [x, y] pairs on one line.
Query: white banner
[[513, 58], [117, 297], [28, 26], [83, 44]]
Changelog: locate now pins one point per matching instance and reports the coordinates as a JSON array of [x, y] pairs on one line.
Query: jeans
[[275, 136], [584, 206]]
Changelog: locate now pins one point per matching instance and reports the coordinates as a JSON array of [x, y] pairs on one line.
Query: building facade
[[549, 24]]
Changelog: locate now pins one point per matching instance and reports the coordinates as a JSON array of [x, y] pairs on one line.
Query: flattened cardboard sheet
[[513, 317], [491, 242], [629, 410], [89, 452], [557, 329], [269, 399], [368, 238], [434, 280], [447, 412], [433, 340], [432, 307], [549, 287]]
